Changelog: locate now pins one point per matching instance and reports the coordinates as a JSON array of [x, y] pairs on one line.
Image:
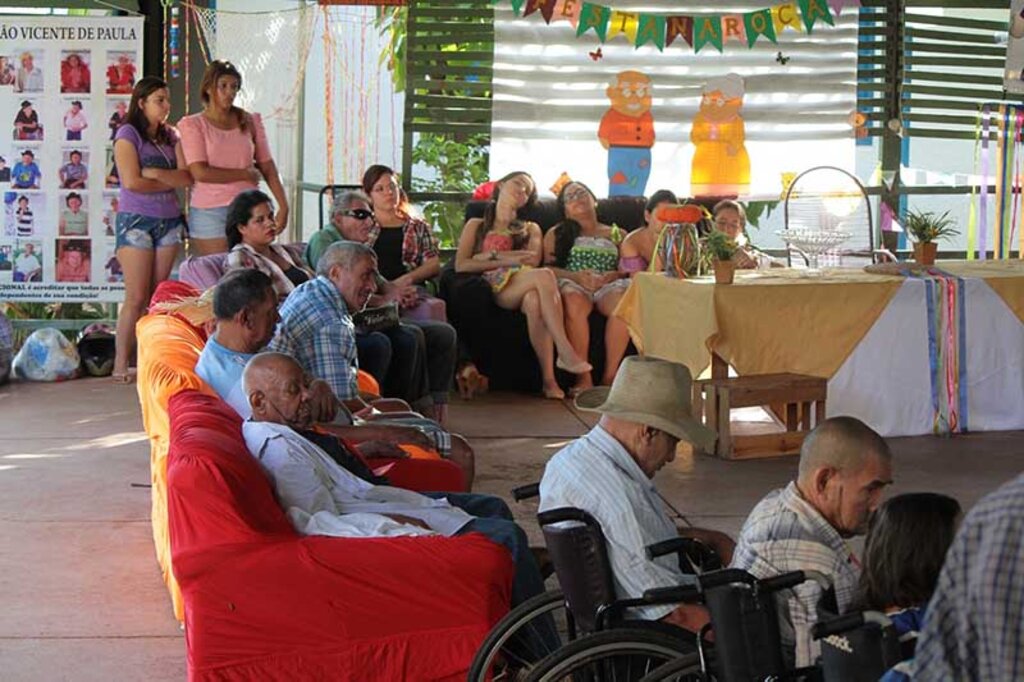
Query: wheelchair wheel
[[523, 637], [684, 669], [620, 655]]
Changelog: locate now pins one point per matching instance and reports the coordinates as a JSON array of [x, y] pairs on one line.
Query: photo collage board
[[65, 86]]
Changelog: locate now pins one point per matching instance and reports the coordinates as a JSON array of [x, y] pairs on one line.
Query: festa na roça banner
[[650, 94], [65, 83]]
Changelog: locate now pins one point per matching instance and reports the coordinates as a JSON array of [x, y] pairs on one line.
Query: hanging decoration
[[698, 30], [173, 41], [1004, 123]]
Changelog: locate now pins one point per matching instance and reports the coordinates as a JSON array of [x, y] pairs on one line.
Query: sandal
[[125, 378]]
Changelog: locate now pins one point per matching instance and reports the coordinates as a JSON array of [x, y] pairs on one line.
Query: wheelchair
[[586, 603], [860, 647]]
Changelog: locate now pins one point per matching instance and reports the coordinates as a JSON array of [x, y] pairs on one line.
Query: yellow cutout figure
[[627, 132], [720, 165]]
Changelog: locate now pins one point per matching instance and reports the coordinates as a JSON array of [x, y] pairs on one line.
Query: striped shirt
[[974, 626], [785, 533], [596, 474], [316, 329]]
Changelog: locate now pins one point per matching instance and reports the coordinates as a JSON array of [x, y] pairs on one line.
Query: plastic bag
[[47, 356]]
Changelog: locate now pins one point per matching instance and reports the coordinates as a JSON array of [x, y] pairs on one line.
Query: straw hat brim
[[687, 428]]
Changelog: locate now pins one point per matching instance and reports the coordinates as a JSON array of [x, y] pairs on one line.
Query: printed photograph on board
[[24, 214], [111, 179], [7, 71], [27, 124], [121, 71], [28, 74], [74, 215], [6, 260], [112, 267], [110, 207], [28, 263], [74, 169], [75, 120], [75, 74], [74, 260], [117, 115]]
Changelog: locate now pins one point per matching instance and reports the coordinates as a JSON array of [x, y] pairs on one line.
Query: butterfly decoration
[[596, 55], [782, 59]]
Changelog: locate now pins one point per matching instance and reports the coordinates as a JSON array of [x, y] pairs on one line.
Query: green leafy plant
[[457, 166], [719, 245], [759, 209], [49, 311], [926, 227], [391, 24]]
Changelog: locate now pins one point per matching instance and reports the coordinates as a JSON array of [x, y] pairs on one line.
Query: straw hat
[[652, 392]]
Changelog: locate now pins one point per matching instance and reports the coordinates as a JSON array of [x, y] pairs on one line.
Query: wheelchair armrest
[[525, 492], [563, 514], [784, 581], [725, 576], [670, 546], [667, 595], [850, 621]]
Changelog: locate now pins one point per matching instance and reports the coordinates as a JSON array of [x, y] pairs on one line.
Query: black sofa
[[496, 339]]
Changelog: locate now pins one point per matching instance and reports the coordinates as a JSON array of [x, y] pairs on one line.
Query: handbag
[[427, 308], [377, 319]]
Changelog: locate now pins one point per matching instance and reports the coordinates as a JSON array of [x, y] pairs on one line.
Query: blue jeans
[[374, 353], [634, 165]]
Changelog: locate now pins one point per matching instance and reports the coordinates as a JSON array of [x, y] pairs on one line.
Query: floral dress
[[500, 277]]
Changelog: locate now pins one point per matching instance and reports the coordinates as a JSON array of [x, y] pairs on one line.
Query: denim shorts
[[207, 223], [143, 232]]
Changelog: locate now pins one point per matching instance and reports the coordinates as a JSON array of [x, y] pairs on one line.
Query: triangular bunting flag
[[759, 24], [625, 23], [812, 11], [651, 30], [517, 6], [594, 17], [547, 10], [707, 29], [567, 10], [838, 5], [531, 7], [679, 26], [733, 28], [785, 16]]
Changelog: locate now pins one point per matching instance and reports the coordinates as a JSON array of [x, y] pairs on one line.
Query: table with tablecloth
[[893, 347]]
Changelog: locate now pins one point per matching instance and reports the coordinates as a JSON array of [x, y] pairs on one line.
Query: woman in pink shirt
[[227, 152]]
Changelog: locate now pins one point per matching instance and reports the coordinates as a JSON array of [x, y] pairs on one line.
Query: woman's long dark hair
[[240, 212], [215, 70], [137, 118], [568, 229], [491, 210], [905, 549]]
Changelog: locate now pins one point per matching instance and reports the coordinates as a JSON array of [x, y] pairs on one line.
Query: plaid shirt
[[785, 533], [316, 329], [418, 242], [974, 626]]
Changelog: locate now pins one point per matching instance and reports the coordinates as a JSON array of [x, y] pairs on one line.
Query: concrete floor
[[81, 594]]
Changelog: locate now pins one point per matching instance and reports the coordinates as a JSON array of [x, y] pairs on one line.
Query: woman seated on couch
[[584, 254], [251, 232], [637, 250], [506, 251]]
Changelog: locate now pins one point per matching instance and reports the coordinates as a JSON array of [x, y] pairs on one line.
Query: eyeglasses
[[358, 213], [574, 194]]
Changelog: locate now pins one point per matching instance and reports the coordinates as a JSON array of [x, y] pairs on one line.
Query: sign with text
[[65, 83]]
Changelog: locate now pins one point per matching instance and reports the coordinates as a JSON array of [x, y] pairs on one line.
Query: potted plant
[[721, 248], [926, 227]]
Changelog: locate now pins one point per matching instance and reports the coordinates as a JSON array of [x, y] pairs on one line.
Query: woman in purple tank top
[[148, 225]]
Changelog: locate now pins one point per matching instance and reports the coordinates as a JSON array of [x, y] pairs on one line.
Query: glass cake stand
[[813, 243]]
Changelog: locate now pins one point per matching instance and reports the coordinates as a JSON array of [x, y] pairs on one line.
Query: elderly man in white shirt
[[322, 498], [608, 473]]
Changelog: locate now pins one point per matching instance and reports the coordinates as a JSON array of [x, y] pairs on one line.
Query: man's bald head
[[277, 389], [843, 443], [844, 466]]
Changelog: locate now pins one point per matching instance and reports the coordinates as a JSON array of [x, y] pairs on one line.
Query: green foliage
[[926, 226], [391, 24], [759, 209], [719, 245], [457, 166]]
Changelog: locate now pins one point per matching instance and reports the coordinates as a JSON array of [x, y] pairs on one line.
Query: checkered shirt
[[418, 242], [974, 626], [316, 329], [785, 533]]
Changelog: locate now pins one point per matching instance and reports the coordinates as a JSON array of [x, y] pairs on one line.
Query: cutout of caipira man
[[627, 132]]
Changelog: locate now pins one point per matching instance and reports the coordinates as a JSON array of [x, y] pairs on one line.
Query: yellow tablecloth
[[770, 321], [778, 320]]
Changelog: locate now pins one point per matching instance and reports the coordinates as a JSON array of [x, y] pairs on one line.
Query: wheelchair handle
[[725, 576], [525, 492], [676, 593], [784, 581], [546, 518]]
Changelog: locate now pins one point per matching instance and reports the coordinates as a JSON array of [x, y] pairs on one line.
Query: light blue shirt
[[596, 474], [222, 368]]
